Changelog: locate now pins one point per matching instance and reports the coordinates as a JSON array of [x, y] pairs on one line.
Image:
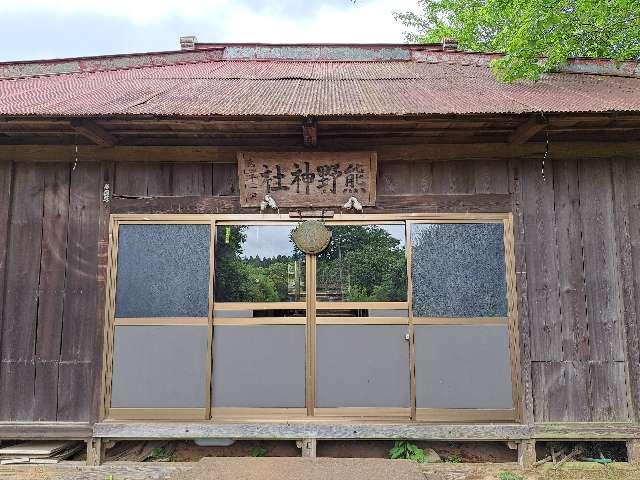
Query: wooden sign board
[[307, 179]]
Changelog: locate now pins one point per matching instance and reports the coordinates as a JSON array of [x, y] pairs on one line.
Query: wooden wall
[[578, 260]]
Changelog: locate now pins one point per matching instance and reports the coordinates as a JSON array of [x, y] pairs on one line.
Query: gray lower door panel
[[362, 366], [259, 366], [159, 367], [463, 366]]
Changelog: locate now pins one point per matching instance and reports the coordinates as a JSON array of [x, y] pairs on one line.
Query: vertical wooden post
[[526, 402], [308, 447], [310, 285], [107, 175], [527, 453], [412, 345], [633, 452], [95, 452]]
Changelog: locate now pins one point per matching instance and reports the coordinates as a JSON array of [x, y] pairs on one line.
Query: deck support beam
[[633, 452], [308, 447], [527, 453], [95, 451]]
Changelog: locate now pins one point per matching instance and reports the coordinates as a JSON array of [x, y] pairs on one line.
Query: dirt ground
[[465, 452], [265, 469], [344, 460]]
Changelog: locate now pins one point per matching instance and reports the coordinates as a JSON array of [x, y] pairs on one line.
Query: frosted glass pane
[[458, 270], [163, 271]]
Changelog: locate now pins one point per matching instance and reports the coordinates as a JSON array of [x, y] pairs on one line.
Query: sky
[[271, 241], [40, 29]]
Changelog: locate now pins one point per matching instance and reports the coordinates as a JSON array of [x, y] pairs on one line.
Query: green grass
[[407, 450]]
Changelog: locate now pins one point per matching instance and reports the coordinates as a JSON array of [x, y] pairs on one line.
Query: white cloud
[[363, 22], [245, 20]]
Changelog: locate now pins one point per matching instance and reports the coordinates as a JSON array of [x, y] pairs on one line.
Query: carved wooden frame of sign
[[307, 179]]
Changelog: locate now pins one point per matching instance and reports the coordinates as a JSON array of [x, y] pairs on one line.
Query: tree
[[365, 262], [535, 36]]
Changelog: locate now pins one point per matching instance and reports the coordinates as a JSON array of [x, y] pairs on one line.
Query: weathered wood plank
[[631, 270], [461, 176], [422, 177], [51, 291], [453, 177], [40, 430], [586, 431], [394, 178], [487, 203], [491, 176], [604, 309], [573, 307], [608, 392], [225, 179], [542, 262], [416, 431], [187, 204], [80, 307], [524, 321], [107, 170], [527, 453], [96, 450], [194, 179], [6, 177], [527, 130], [560, 391], [130, 179], [480, 203], [159, 179], [633, 452], [21, 299], [386, 152], [94, 132]]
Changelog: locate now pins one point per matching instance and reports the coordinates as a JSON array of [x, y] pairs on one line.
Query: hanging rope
[[543, 163]]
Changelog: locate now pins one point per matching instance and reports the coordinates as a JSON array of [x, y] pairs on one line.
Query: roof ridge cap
[[102, 63]]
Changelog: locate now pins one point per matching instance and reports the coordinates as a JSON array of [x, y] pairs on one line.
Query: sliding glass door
[[400, 318]]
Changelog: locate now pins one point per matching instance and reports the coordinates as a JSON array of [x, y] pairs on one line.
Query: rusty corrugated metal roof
[[249, 80]]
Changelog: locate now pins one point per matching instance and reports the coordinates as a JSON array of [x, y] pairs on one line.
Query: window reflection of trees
[[363, 263], [256, 278]]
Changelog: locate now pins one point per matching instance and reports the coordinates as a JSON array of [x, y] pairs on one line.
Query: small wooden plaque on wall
[[307, 179]]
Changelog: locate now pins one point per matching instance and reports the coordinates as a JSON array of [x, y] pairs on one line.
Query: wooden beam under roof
[[310, 132], [94, 132], [388, 152], [527, 130]]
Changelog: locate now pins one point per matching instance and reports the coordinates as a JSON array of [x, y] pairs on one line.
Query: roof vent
[[450, 44], [188, 43]]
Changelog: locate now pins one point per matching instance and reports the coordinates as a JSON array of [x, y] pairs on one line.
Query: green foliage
[[248, 280], [366, 263], [361, 263], [403, 449], [453, 458], [528, 30], [159, 454], [259, 452], [509, 476]]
